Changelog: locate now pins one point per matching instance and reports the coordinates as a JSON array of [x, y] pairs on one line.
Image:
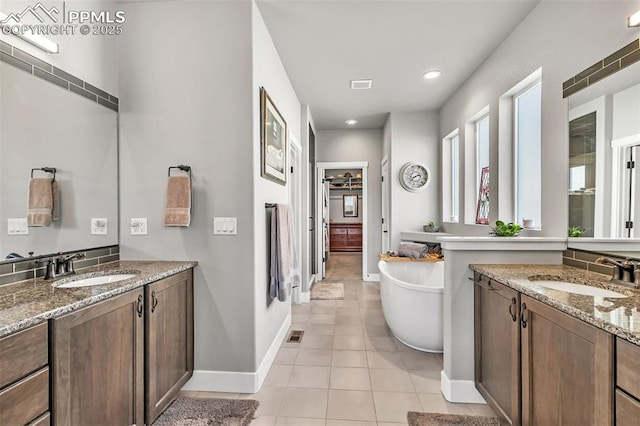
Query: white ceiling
[[325, 44]]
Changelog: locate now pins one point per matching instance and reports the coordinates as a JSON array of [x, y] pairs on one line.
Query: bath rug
[[327, 291], [208, 411], [439, 419]]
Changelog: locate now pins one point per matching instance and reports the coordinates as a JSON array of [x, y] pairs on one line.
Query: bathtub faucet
[[625, 272]]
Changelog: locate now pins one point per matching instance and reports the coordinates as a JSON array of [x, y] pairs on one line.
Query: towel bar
[[269, 205], [181, 167], [46, 170]]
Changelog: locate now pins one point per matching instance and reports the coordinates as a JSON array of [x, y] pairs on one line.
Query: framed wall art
[[273, 141], [482, 212]]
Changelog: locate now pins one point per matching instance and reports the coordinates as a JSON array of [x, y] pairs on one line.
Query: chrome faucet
[[625, 272], [60, 266]]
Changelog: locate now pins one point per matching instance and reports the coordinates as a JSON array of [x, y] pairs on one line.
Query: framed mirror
[[350, 206]]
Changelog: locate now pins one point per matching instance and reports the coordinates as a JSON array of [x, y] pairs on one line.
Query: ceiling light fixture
[[351, 122], [361, 84], [634, 20], [16, 28], [431, 74]]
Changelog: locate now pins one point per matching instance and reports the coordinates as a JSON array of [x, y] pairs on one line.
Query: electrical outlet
[[17, 226], [225, 226], [99, 226], [139, 226]]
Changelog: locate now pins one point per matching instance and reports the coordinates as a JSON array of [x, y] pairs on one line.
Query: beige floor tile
[[381, 344], [304, 376], [352, 304], [298, 421], [354, 343], [373, 319], [416, 360], [320, 329], [347, 378], [351, 405], [426, 381], [347, 313], [317, 357], [322, 318], [299, 326], [270, 400], [286, 356], [482, 410], [393, 406], [295, 318], [310, 341], [223, 395], [264, 421], [384, 360], [348, 330], [307, 403], [278, 376], [342, 319], [435, 403], [377, 331], [331, 422], [303, 308], [391, 380], [347, 358]]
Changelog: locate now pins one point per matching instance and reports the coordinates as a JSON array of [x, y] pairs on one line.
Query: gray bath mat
[[439, 419], [208, 412], [327, 291]]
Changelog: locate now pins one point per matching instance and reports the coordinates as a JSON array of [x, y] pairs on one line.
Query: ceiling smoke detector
[[361, 84], [351, 122]]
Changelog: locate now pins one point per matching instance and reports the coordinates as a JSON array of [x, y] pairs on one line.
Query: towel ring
[[182, 167], [46, 170]]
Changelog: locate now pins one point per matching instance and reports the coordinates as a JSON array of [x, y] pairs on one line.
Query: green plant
[[576, 231], [431, 223], [505, 229]]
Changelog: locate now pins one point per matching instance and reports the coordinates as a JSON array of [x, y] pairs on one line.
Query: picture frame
[[273, 141], [482, 212], [349, 205]]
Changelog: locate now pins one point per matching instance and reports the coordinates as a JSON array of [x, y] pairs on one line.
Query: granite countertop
[[26, 303], [619, 316]]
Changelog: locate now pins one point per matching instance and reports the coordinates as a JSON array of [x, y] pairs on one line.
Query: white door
[[385, 205], [326, 215], [295, 201]]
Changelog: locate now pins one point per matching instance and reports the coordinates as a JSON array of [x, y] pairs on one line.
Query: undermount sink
[[586, 290], [92, 280]]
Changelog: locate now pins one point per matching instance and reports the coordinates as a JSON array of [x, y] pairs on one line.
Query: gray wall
[[562, 47], [352, 146], [184, 103]]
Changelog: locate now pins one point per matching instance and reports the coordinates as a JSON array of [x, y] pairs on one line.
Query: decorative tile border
[[587, 260], [39, 68], [28, 268], [630, 54]]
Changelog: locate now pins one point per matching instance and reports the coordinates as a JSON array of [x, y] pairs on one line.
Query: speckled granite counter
[[619, 316], [27, 303]]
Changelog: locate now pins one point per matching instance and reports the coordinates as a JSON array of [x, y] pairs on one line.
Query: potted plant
[[576, 231], [505, 229], [431, 227]]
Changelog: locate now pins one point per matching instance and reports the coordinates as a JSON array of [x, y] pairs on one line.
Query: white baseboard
[[460, 390], [372, 277], [305, 297], [238, 381]]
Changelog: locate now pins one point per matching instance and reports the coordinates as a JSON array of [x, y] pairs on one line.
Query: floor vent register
[[295, 336]]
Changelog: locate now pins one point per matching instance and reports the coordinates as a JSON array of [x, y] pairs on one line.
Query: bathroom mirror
[[604, 145], [45, 125]]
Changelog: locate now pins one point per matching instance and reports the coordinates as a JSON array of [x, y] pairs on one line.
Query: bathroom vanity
[[110, 354], [548, 356]]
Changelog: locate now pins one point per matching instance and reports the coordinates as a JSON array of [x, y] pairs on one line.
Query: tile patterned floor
[[348, 370]]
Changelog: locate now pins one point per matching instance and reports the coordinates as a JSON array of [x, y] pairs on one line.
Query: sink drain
[[295, 336]]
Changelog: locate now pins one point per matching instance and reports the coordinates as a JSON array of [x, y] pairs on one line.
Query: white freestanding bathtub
[[412, 294]]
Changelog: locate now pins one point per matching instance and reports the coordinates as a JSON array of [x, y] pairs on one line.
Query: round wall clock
[[414, 177]]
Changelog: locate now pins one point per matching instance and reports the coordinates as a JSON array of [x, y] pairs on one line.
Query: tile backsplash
[[27, 268], [587, 260]]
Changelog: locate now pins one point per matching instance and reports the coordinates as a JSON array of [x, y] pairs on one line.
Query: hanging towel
[[285, 272], [177, 210], [40, 205]]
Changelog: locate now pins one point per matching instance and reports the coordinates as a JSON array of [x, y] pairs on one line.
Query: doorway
[[342, 219], [295, 201]]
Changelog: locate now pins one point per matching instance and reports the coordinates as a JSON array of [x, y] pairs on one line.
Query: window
[[482, 169], [450, 177], [528, 156]]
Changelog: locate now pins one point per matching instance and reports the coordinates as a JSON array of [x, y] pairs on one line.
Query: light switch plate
[[99, 225], [17, 226], [139, 226], [225, 226]]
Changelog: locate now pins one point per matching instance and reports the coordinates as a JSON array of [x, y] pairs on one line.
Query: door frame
[[386, 210], [295, 200], [321, 167]]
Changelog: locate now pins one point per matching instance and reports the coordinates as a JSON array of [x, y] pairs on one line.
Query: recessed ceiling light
[[634, 20], [431, 74], [351, 122], [361, 84]]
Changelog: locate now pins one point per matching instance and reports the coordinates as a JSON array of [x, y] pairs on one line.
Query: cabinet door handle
[[140, 306], [524, 316], [154, 302], [512, 309]]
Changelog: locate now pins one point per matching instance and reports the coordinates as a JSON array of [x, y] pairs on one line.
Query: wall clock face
[[414, 177]]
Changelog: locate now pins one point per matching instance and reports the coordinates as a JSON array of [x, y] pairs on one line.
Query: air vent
[[361, 84], [295, 336]]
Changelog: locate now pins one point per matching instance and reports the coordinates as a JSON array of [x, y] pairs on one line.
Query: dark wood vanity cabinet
[[536, 365], [169, 341], [345, 236], [628, 383], [497, 346], [97, 362]]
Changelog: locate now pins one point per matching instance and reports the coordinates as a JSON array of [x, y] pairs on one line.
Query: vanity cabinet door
[[97, 363], [567, 369], [497, 346], [169, 341]]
